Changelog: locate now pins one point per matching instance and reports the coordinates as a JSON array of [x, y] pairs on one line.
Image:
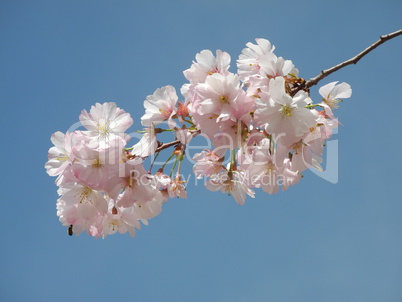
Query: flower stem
[[152, 164], [174, 166], [232, 160], [170, 157], [312, 106]]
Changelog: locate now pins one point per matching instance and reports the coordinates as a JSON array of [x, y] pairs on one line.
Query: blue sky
[[318, 241]]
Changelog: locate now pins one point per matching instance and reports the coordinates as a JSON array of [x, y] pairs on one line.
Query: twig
[[170, 144], [167, 145], [354, 60]]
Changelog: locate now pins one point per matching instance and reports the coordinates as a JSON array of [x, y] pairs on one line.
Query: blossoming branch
[[262, 124]]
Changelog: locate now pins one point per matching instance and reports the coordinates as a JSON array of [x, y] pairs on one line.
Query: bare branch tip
[[354, 60]]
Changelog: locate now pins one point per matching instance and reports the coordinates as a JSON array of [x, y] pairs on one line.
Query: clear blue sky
[[316, 242]]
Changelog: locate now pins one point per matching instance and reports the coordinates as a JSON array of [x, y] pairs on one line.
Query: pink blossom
[[291, 177], [160, 106], [106, 124], [266, 171], [161, 181], [273, 66], [135, 184], [258, 65], [147, 144], [183, 135], [149, 209], [285, 116], [176, 188], [303, 157], [218, 95], [206, 123], [332, 93], [182, 111], [249, 60], [207, 163], [231, 135], [118, 219], [95, 168], [217, 102], [81, 205], [233, 183], [326, 124], [206, 65], [59, 154]]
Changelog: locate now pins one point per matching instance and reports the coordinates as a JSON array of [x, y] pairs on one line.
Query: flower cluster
[[103, 190], [261, 122]]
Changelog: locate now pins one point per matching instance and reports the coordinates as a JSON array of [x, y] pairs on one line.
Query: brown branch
[[167, 145], [354, 60], [173, 143]]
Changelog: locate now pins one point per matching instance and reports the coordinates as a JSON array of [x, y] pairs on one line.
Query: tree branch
[[170, 144], [167, 145], [354, 60]]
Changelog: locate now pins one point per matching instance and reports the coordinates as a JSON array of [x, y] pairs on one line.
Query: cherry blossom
[[184, 135], [233, 183], [136, 185], [80, 206], [249, 60], [176, 188], [207, 64], [95, 167], [266, 170], [147, 144], [59, 155], [283, 115], [106, 124], [207, 163], [118, 219], [160, 106], [263, 131], [332, 93]]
